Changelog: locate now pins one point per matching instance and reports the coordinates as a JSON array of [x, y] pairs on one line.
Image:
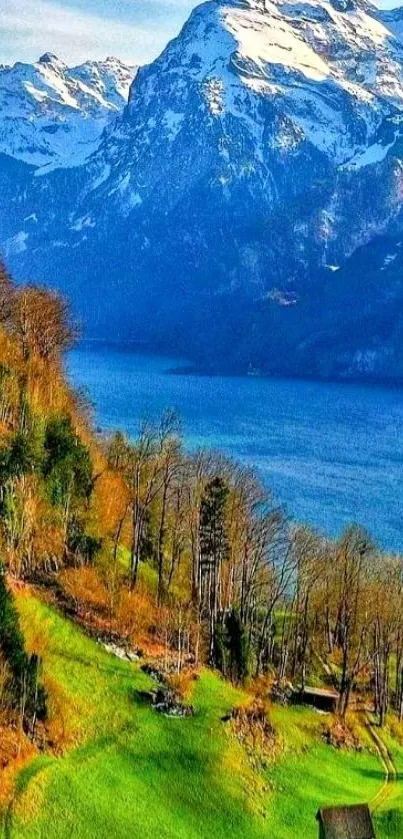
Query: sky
[[75, 30]]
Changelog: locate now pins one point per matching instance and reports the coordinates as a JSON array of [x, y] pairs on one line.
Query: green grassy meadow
[[135, 773], [389, 819]]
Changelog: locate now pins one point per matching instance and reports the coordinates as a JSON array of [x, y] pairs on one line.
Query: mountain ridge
[[219, 206], [52, 115]]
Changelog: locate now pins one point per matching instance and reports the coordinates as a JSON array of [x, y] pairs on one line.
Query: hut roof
[[347, 822], [326, 693]]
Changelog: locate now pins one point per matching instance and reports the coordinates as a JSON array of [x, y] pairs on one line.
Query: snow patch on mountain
[[15, 244], [373, 154], [331, 66], [173, 122], [53, 116]]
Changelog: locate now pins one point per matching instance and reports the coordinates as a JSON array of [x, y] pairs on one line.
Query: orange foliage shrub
[[342, 734], [13, 742], [135, 615], [262, 685], [63, 723], [15, 750], [85, 586], [111, 501], [115, 609], [182, 683]]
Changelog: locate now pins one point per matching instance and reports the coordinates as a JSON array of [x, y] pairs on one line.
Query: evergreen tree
[[231, 647], [213, 551], [67, 463], [26, 692]]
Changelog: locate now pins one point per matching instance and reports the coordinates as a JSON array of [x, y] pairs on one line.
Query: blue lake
[[332, 453]]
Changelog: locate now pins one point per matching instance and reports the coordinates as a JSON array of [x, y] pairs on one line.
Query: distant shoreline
[[193, 369]]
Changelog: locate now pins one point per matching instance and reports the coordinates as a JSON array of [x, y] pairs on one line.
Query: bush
[[252, 727], [182, 683], [342, 734], [135, 615], [84, 586], [80, 544], [20, 458]]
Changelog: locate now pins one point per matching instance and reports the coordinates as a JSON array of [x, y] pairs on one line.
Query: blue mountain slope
[[221, 211]]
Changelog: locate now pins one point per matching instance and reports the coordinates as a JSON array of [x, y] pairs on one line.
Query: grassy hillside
[[389, 819], [134, 773]]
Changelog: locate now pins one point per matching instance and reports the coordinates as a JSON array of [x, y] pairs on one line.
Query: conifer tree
[[28, 696], [213, 551]]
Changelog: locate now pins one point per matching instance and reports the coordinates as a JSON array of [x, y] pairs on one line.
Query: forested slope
[[215, 612]]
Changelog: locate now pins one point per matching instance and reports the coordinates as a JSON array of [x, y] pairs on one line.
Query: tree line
[[45, 474], [261, 594]]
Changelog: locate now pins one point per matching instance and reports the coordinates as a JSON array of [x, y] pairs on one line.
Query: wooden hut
[[346, 823], [324, 699]]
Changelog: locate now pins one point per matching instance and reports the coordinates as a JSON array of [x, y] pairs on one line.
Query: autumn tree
[[353, 625], [169, 459], [41, 322], [310, 559]]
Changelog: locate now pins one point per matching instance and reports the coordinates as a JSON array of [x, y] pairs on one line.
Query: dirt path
[[384, 755], [391, 774]]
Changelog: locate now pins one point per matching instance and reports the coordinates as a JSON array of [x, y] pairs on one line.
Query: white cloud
[[28, 28]]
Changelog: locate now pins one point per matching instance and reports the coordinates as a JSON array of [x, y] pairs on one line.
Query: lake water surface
[[332, 453]]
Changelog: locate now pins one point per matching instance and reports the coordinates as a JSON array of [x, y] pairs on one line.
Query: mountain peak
[[112, 59], [72, 106], [52, 59]]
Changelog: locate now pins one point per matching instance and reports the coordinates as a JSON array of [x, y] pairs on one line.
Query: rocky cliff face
[[222, 212]]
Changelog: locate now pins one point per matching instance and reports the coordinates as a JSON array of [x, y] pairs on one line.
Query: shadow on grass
[[91, 662], [141, 697], [381, 776], [30, 772]]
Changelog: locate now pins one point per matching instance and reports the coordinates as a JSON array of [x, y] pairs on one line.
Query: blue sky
[[134, 30]]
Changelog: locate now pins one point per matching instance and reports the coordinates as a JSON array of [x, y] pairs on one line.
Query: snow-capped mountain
[[52, 115], [222, 211], [249, 92]]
